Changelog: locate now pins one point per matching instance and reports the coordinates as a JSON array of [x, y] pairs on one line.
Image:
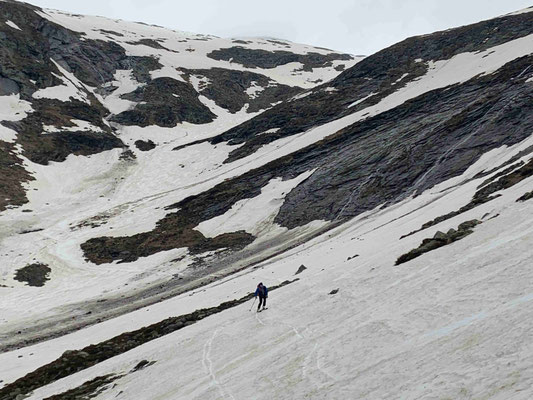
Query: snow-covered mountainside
[[92, 109], [150, 178]]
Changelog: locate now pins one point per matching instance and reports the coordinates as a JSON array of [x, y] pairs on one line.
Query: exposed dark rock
[[26, 55], [145, 145], [525, 196], [77, 360], [384, 158], [377, 161], [12, 177], [142, 365], [152, 43], [301, 269], [140, 66], [166, 102], [284, 44], [227, 88], [113, 33], [23, 232], [195, 142], [87, 390], [375, 74], [334, 291], [440, 239], [56, 146], [485, 194], [33, 274], [501, 173], [253, 58], [127, 155], [506, 181], [171, 233], [8, 87], [352, 257]]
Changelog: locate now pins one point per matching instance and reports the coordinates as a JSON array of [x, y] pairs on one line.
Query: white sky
[[352, 26]]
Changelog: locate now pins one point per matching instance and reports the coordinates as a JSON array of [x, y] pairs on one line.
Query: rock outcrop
[[439, 239]]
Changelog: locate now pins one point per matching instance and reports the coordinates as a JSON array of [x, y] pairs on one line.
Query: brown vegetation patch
[[33, 274]]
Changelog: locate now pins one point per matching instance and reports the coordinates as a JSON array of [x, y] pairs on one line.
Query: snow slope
[[85, 197], [435, 327], [71, 201]]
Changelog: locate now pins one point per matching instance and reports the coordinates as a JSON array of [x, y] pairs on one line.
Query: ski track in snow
[[208, 366], [259, 319], [313, 359]]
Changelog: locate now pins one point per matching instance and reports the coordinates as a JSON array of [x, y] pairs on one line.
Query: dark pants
[[262, 301]]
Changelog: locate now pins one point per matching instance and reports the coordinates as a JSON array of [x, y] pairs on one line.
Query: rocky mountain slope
[[75, 87], [67, 79], [150, 178]]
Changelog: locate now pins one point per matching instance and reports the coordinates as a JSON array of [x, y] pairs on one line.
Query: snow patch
[[167, 72], [12, 108], [254, 90], [400, 78], [273, 130], [361, 100], [12, 25], [125, 83], [79, 125], [199, 82], [71, 88], [301, 95], [522, 11], [253, 215]]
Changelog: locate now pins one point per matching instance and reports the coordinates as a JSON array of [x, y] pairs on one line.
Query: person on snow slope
[[262, 292]]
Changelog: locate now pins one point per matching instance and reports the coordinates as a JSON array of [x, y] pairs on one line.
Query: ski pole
[[252, 304]]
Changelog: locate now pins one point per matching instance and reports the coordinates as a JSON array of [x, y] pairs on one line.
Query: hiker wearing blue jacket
[[262, 292]]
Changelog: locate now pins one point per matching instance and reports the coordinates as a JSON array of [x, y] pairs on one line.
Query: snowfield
[[433, 327], [124, 198], [453, 323]]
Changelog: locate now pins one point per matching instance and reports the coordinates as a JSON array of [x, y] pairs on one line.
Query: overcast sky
[[352, 26]]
